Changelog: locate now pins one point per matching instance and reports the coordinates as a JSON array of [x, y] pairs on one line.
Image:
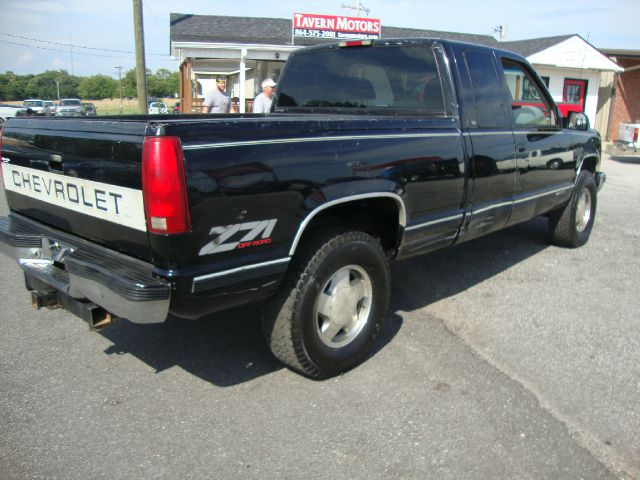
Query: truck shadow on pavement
[[227, 348], [418, 282]]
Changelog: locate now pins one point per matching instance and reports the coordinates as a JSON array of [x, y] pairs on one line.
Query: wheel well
[[378, 217], [590, 164]]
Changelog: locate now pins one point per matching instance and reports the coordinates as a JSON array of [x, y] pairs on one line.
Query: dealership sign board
[[331, 26]]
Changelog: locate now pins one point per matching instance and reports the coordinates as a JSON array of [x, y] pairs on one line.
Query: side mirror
[[578, 121]]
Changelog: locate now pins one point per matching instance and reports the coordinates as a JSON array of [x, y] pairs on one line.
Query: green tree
[[45, 85], [13, 87], [41, 86], [163, 83], [129, 84], [97, 87], [68, 83], [167, 83], [154, 86]]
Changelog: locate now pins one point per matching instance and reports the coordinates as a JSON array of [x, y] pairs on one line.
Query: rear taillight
[[164, 186], [356, 43]]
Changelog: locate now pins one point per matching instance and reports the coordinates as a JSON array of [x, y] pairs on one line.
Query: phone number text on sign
[[303, 32]]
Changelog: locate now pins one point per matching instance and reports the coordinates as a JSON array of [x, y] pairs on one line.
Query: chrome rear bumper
[[123, 286]]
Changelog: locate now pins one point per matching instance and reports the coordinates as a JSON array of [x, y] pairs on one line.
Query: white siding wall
[[556, 85]]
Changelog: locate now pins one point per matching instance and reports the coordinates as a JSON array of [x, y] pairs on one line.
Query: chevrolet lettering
[[112, 203], [373, 150]]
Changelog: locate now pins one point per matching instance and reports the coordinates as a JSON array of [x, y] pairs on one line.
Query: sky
[[88, 37]]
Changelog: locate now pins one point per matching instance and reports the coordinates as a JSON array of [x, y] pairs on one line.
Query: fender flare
[[402, 212]]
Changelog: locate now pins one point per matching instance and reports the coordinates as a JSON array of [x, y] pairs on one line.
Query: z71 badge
[[229, 237]]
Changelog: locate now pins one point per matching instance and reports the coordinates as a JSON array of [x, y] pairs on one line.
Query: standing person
[[217, 100], [262, 103]]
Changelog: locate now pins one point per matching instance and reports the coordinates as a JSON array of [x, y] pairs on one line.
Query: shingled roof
[[277, 31], [397, 32], [527, 48], [217, 29]]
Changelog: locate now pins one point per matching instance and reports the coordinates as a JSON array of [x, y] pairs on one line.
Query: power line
[[80, 53], [146, 5], [76, 46], [63, 51]]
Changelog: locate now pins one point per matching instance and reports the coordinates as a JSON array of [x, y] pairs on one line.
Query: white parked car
[[7, 111], [37, 106], [158, 108]]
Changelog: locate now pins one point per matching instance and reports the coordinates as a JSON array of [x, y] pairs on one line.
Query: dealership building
[[247, 50]]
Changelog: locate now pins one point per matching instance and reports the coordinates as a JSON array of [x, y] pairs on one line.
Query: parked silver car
[[51, 106], [70, 107]]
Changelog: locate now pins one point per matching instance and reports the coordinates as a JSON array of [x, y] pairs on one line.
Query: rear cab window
[[380, 79], [488, 100]]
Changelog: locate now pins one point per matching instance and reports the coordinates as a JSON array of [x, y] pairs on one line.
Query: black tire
[[571, 225], [328, 275]]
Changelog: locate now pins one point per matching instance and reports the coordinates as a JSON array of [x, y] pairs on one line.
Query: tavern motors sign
[[330, 26]]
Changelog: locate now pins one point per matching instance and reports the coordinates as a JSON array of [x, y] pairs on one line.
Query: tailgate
[[80, 176]]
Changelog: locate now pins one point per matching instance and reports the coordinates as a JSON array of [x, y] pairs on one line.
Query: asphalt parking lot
[[501, 358]]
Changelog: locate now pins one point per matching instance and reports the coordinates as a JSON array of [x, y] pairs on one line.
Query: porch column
[[243, 94], [186, 94]]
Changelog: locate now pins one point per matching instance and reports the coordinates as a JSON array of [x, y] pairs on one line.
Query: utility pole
[[141, 69], [357, 7], [119, 68], [71, 53], [58, 88]]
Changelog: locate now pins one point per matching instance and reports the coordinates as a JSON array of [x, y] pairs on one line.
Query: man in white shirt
[[217, 101], [262, 102]]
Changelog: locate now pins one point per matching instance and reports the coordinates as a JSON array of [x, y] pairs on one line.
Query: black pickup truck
[[373, 150]]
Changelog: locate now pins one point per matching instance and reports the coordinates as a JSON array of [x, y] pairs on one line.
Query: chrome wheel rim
[[583, 210], [342, 309]]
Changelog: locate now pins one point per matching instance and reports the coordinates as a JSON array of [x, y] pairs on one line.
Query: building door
[[575, 92]]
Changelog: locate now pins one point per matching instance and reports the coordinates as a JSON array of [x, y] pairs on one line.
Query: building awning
[[184, 50]]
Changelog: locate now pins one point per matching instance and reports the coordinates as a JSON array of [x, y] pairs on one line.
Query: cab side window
[[528, 104]]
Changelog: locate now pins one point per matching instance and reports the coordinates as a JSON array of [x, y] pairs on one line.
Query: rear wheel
[[331, 305], [571, 225]]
